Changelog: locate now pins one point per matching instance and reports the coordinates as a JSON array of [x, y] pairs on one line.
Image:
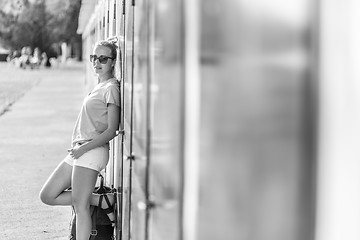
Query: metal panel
[[255, 165], [163, 56], [167, 105]]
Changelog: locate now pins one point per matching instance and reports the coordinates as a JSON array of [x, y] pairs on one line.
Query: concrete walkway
[[34, 135]]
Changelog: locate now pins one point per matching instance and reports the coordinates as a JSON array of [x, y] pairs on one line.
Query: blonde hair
[[111, 43]]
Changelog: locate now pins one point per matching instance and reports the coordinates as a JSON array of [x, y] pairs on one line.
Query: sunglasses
[[102, 59]]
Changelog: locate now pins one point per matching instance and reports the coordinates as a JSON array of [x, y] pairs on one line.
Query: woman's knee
[[81, 205], [46, 197]]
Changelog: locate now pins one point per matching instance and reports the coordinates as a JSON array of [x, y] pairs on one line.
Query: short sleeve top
[[93, 116]]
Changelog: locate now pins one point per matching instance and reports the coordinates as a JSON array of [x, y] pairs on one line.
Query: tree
[[39, 23]]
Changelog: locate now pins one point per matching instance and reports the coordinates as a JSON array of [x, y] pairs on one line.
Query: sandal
[[110, 208]]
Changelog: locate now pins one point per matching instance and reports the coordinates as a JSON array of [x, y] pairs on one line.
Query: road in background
[[35, 132]]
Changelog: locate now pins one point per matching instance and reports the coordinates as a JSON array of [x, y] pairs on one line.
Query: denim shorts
[[95, 159]]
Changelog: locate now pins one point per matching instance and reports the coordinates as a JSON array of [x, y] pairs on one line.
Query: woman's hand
[[77, 151]]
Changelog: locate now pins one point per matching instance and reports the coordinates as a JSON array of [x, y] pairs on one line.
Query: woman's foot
[[106, 202]]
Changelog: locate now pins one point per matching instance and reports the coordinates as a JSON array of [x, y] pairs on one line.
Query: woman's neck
[[105, 77]]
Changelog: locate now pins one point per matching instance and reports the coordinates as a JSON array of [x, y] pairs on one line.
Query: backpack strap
[[93, 218]]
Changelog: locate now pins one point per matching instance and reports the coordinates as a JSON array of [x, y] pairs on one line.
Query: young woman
[[95, 127]]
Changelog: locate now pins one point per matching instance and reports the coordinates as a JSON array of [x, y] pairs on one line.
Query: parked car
[[3, 54]]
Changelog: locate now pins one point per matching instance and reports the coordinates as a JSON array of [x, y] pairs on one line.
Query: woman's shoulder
[[112, 83]]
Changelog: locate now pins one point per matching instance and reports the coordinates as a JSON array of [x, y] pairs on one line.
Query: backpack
[[101, 224]]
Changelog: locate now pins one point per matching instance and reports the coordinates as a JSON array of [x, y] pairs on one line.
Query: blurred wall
[[339, 165], [256, 164]]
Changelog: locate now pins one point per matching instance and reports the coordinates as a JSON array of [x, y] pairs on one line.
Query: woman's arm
[[104, 137]]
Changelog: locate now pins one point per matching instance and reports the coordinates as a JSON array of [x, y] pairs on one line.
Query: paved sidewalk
[[34, 136]]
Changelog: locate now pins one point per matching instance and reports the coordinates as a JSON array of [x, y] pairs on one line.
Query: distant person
[[25, 58], [96, 125], [13, 57], [36, 58], [45, 60]]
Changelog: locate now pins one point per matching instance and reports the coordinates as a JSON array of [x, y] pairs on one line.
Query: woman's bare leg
[[52, 193], [83, 184], [81, 197]]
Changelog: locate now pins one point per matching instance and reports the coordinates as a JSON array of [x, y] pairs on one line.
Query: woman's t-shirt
[[93, 116]]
